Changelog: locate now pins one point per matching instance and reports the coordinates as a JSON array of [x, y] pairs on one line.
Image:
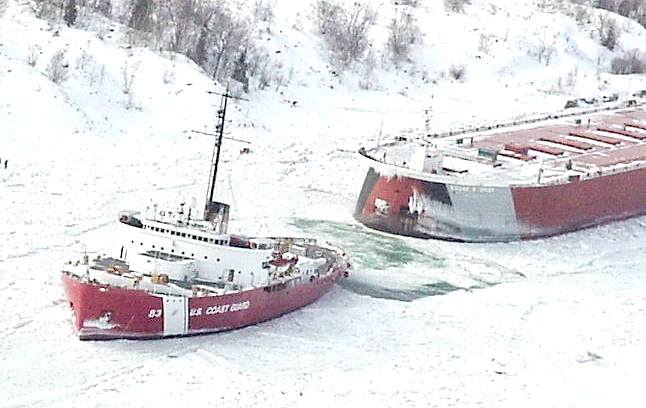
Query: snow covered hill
[[557, 322]]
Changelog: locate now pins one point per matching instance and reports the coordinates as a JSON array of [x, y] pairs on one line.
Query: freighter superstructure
[[535, 179]]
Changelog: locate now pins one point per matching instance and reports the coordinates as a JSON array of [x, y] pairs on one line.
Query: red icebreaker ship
[[175, 275]]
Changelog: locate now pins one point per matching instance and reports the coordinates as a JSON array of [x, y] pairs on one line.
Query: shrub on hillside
[[456, 5], [402, 34], [47, 9], [457, 72], [608, 32], [345, 30], [56, 69], [631, 62], [104, 7], [263, 10], [33, 53]]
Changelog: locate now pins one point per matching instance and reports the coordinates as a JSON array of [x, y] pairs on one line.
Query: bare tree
[[128, 74], [456, 5], [48, 9], [582, 14], [240, 71], [102, 6], [33, 55], [56, 69], [263, 10], [345, 30], [545, 53], [3, 7], [227, 36], [354, 38], [402, 34], [631, 62], [70, 12], [178, 23], [199, 52], [608, 32], [141, 15], [326, 16]]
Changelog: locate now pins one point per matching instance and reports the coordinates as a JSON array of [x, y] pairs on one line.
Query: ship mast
[[215, 211], [215, 160]]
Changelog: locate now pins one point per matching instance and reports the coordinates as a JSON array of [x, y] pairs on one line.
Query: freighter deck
[[585, 145]]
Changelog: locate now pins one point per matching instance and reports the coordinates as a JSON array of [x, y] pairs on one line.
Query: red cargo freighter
[[175, 275], [535, 179]]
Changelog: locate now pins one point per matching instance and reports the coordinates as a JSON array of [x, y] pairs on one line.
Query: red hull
[[136, 314], [549, 210]]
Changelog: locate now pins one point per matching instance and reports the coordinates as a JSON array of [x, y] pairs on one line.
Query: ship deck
[[548, 151]]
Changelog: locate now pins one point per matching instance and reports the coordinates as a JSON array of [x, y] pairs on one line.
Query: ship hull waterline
[[103, 312]]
